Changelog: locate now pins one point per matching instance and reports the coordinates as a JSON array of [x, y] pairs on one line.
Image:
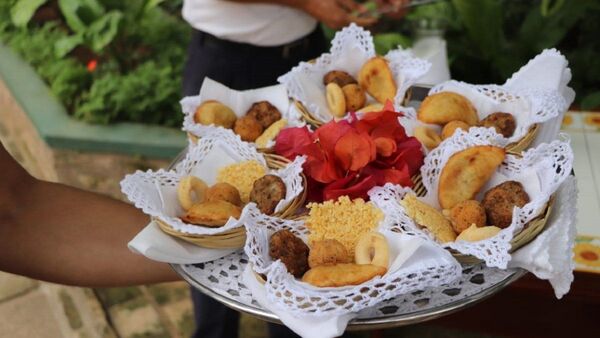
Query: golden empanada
[[466, 172], [444, 107], [376, 78], [212, 213]]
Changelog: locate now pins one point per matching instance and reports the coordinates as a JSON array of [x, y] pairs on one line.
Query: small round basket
[[236, 238], [522, 144]]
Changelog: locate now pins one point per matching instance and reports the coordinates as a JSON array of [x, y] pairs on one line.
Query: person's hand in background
[[338, 13], [392, 8]]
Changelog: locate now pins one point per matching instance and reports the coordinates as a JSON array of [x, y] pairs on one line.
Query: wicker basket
[[236, 238]]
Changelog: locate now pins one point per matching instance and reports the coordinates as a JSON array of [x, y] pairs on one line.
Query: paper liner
[[155, 192], [350, 49]]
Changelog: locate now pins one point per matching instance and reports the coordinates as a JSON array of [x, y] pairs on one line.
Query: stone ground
[[33, 309]]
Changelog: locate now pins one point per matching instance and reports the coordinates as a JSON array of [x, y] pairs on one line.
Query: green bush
[[126, 70]]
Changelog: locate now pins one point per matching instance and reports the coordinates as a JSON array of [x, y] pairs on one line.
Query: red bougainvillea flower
[[351, 156], [91, 65]]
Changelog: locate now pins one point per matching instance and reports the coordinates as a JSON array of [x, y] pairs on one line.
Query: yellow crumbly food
[[343, 220], [429, 217], [242, 176]]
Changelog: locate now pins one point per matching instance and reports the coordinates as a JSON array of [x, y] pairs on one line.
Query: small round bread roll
[[466, 213], [224, 192], [340, 77], [248, 128], [327, 252], [214, 112], [336, 99], [451, 127], [427, 136], [355, 97], [191, 190]]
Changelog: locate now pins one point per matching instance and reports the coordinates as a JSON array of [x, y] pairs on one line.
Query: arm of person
[[333, 13], [61, 234]]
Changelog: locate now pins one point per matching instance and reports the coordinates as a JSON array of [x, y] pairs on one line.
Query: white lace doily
[[350, 49], [239, 102], [156, 192], [429, 266], [528, 106], [541, 170]]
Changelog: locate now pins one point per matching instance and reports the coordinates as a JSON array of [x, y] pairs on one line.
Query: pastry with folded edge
[[429, 217]]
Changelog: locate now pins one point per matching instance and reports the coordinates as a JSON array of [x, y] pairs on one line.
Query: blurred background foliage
[[113, 60]]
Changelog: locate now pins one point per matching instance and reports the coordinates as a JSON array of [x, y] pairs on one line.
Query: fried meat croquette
[[248, 128], [340, 77], [291, 250], [466, 213], [503, 123], [327, 252], [224, 192], [355, 97], [342, 274], [500, 201], [265, 113], [212, 213], [466, 172], [266, 192], [214, 112]]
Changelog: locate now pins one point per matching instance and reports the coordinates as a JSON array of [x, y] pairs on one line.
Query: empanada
[[376, 78], [444, 107], [466, 172]]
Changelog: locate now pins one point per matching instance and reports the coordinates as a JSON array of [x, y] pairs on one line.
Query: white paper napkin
[[308, 327], [158, 246], [550, 255]]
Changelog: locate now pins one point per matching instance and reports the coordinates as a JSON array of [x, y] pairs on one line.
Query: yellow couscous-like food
[[242, 176], [343, 220]]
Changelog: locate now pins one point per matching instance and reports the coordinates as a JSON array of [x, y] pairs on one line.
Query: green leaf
[[150, 4], [23, 11], [482, 20], [102, 31], [591, 101], [387, 41], [80, 13], [63, 46]]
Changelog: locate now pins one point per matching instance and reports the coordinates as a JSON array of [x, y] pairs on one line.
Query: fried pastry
[[476, 234], [429, 217], [466, 213], [427, 136], [371, 108], [291, 250], [336, 100], [503, 123], [214, 112], [187, 186], [372, 248], [355, 97], [327, 252], [224, 192], [265, 113], [376, 78], [445, 107], [451, 127], [339, 77], [266, 192], [212, 213], [500, 201], [270, 133], [466, 172], [248, 128], [342, 274]]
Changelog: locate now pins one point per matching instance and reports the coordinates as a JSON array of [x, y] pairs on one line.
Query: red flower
[[91, 66], [349, 157]]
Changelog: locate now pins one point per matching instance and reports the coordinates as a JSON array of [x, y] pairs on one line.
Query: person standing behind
[[247, 44]]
